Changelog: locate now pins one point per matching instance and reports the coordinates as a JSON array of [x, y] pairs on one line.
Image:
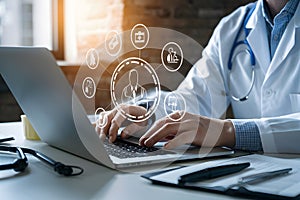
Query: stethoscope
[[248, 49], [21, 163]]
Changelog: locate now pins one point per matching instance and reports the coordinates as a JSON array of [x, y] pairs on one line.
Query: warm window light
[[26, 23], [32, 23], [87, 23]]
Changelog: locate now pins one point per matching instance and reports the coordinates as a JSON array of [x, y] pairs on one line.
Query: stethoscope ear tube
[[237, 43]]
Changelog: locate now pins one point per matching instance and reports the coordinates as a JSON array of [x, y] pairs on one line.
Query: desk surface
[[97, 182]]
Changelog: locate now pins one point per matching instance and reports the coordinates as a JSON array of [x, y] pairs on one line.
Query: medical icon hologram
[[174, 102], [128, 88], [139, 36], [113, 43], [92, 58], [172, 56], [133, 91], [101, 118], [128, 57], [89, 87]]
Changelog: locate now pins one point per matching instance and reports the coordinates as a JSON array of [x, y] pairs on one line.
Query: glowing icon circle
[[113, 43], [100, 118], [174, 103], [89, 87], [139, 36], [139, 77], [92, 58], [172, 56]]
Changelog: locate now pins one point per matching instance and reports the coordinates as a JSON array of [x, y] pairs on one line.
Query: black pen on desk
[[212, 172]]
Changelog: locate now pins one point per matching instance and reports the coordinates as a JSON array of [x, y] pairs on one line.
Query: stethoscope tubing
[[252, 58]]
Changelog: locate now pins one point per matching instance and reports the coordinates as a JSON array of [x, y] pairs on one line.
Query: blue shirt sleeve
[[247, 136]]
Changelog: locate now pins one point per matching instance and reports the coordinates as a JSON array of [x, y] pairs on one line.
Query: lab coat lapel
[[286, 43], [257, 40]]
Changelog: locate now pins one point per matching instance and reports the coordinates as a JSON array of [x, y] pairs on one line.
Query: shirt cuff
[[247, 136]]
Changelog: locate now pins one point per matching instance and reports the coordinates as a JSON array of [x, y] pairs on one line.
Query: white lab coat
[[274, 102]]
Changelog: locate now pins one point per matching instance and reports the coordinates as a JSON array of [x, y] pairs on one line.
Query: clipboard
[[259, 163]]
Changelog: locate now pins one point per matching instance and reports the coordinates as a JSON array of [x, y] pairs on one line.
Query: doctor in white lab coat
[[272, 107]]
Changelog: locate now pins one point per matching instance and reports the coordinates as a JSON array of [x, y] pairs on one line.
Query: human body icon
[[172, 57], [133, 91], [92, 59]]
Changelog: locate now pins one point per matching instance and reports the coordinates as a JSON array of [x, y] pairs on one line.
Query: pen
[[255, 178], [212, 172]]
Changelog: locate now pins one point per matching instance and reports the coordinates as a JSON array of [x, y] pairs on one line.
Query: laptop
[[47, 99]]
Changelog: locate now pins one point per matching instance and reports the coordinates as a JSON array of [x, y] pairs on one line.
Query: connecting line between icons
[[108, 106], [158, 67], [119, 60]]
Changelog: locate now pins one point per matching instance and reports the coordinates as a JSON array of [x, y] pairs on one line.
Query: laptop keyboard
[[124, 149]]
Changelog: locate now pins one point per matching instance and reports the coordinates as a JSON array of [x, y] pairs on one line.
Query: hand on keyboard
[[116, 120], [125, 149]]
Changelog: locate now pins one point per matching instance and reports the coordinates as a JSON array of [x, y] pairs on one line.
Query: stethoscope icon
[[248, 51]]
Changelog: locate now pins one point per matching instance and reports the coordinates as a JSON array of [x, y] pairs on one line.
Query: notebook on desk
[[58, 116]]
